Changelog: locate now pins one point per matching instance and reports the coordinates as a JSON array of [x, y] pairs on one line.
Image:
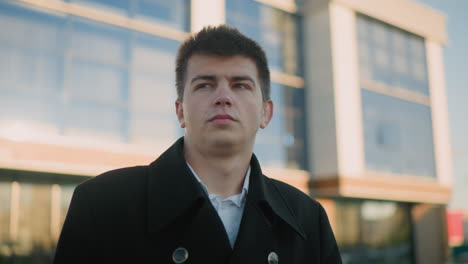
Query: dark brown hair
[[226, 41]]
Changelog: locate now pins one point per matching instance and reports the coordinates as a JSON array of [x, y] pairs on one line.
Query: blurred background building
[[360, 120]]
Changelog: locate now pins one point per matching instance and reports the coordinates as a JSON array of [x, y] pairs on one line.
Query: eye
[[203, 85], [241, 85]]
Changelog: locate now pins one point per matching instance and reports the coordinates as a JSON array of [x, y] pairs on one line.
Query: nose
[[223, 95]]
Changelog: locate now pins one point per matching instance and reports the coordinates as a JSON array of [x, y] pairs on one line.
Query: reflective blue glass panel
[[391, 56], [174, 13], [397, 135], [283, 143], [275, 30], [79, 77], [97, 80], [114, 6], [31, 65], [152, 92]]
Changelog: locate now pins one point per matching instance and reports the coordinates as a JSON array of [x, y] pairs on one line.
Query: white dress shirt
[[230, 210]]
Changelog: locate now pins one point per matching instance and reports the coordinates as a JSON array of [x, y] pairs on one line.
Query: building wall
[[87, 86], [430, 238]]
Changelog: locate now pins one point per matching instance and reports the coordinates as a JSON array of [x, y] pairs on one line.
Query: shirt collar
[[169, 179], [237, 199]]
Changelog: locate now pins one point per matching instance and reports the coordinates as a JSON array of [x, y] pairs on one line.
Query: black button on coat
[[142, 214]]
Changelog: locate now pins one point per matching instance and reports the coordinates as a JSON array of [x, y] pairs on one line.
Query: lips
[[222, 117]]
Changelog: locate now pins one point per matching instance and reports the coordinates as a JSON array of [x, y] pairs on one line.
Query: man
[[204, 200]]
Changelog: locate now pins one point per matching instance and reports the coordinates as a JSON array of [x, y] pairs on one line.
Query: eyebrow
[[214, 78], [203, 77], [242, 78]]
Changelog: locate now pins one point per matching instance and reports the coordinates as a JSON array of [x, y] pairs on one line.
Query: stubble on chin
[[222, 144]]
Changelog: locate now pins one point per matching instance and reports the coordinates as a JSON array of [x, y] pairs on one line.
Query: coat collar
[[173, 190]]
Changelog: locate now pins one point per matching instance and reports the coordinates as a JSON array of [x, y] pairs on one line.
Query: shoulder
[[311, 215], [293, 196], [309, 212], [116, 181]]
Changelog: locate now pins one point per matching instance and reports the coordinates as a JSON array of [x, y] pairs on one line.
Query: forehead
[[229, 66]]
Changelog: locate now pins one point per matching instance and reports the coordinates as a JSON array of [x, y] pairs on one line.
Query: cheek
[[255, 114], [194, 113]]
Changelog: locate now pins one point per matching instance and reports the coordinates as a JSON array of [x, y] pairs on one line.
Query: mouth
[[222, 118]]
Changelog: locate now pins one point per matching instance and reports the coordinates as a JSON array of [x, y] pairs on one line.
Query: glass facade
[[26, 234], [395, 100], [391, 56], [374, 232], [65, 75], [277, 31], [283, 143], [5, 216], [174, 13], [34, 222]]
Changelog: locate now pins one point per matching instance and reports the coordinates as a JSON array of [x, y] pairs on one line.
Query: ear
[[180, 113], [267, 113]]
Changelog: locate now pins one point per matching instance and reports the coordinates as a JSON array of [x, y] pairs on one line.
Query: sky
[[456, 81]]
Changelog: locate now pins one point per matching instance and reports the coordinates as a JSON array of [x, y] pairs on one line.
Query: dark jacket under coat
[[142, 214]]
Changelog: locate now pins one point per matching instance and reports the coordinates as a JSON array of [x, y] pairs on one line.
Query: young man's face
[[222, 102]]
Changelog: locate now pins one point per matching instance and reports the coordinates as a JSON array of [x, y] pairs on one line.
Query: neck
[[222, 174]]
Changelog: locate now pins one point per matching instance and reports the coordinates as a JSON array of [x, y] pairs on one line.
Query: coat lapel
[[265, 210], [176, 201], [179, 208]]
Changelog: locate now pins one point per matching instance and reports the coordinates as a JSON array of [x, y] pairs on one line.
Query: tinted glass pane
[[276, 30], [96, 88], [374, 232], [31, 66], [34, 243], [99, 42], [398, 135], [42, 110], [66, 193], [27, 28], [174, 13], [94, 121], [96, 83], [115, 6], [282, 143], [5, 201], [391, 56], [81, 78], [152, 92]]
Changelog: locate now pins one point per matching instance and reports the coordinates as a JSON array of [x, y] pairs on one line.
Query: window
[[96, 89], [32, 211], [391, 56], [397, 117], [374, 231], [275, 30], [31, 64], [5, 202], [174, 13], [66, 193], [34, 234], [152, 91], [66, 75], [397, 135], [282, 143]]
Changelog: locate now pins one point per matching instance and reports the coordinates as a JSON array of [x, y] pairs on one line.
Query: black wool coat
[[143, 214]]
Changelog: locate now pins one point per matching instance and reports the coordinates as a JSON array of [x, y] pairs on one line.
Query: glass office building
[[360, 118]]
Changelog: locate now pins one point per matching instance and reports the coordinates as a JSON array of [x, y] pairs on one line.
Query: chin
[[223, 140]]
